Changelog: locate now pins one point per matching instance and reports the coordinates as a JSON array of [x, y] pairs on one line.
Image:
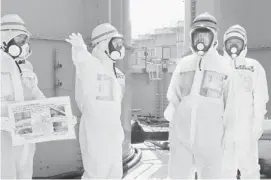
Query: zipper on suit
[[114, 69], [200, 64]]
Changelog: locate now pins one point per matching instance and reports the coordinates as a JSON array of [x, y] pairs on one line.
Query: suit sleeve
[[261, 97]]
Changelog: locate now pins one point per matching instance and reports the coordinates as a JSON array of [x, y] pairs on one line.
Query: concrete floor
[[154, 162]]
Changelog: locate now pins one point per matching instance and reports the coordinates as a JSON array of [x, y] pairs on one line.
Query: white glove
[[6, 125], [77, 42], [29, 79], [74, 120], [258, 127], [45, 118]]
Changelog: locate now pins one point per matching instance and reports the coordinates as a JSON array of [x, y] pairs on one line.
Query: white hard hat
[[205, 20], [103, 32], [236, 30], [12, 25]]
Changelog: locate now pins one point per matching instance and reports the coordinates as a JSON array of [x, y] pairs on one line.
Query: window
[[166, 52], [140, 54], [158, 51], [151, 53], [173, 52]]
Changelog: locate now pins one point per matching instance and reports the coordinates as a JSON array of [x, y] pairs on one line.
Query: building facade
[[165, 43], [164, 47]]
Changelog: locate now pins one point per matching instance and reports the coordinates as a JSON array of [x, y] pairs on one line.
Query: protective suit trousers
[[184, 161], [102, 157], [242, 156], [16, 161]]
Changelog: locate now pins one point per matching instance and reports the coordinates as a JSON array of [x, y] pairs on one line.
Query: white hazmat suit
[[251, 95], [98, 96], [198, 98], [18, 83]]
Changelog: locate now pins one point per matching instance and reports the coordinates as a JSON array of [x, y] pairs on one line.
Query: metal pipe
[[145, 54], [54, 69], [37, 37]]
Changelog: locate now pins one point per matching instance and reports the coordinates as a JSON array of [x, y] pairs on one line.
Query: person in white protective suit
[[18, 83], [98, 96], [251, 95], [199, 96]]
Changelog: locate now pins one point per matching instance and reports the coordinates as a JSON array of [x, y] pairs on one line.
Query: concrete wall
[[49, 18]]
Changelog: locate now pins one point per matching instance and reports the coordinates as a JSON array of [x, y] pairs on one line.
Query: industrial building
[[159, 52]]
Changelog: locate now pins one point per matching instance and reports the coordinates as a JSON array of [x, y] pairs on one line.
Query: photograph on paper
[[42, 120]]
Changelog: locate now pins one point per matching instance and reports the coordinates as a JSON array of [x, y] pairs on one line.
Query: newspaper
[[42, 120]]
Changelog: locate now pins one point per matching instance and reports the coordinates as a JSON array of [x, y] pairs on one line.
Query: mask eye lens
[[234, 41], [202, 35], [21, 39], [117, 43]]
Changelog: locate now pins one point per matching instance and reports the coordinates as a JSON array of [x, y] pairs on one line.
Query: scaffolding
[[156, 75]]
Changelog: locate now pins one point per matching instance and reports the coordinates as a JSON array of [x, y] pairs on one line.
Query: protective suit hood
[[236, 31], [104, 41], [213, 46], [99, 51], [204, 35], [11, 26], [6, 36]]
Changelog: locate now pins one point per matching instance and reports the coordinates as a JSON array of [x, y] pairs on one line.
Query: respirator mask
[[201, 40], [18, 47], [116, 49], [234, 46]]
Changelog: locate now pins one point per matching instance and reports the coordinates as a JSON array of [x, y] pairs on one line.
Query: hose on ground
[[133, 162]]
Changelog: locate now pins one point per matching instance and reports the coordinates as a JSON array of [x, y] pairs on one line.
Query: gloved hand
[[258, 127], [29, 79], [77, 42], [74, 120], [6, 125], [169, 112], [45, 118], [228, 140]]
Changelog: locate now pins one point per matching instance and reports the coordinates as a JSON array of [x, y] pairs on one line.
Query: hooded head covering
[[238, 32], [12, 25], [101, 39], [206, 22]]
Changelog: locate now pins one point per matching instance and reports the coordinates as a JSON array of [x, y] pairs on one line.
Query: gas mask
[[18, 47], [201, 40], [234, 46], [116, 49]]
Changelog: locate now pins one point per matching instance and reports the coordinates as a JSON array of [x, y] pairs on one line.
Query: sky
[[147, 15]]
